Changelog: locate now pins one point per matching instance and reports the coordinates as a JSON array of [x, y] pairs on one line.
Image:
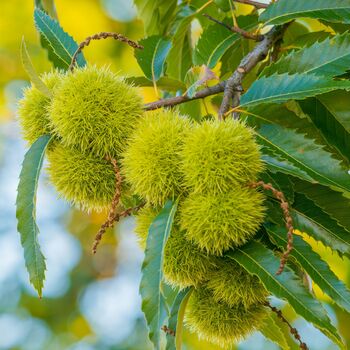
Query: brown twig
[[125, 213], [99, 36], [256, 4], [167, 330], [249, 62], [236, 29], [289, 221], [233, 87], [292, 330], [115, 201]]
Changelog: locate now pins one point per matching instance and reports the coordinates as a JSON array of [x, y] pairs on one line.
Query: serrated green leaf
[[156, 14], [290, 152], [334, 60], [152, 58], [291, 116], [283, 11], [26, 212], [284, 87], [216, 40], [33, 75], [311, 219], [331, 114], [260, 261], [175, 322], [60, 43], [334, 203], [164, 83], [153, 304], [315, 267], [273, 332]]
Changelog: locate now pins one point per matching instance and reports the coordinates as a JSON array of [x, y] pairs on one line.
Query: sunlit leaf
[[316, 268], [33, 75], [175, 322]]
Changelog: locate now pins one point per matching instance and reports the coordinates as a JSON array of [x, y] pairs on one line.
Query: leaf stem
[[236, 29]]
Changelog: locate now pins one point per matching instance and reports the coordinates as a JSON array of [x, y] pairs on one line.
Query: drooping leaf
[[26, 212], [156, 15], [283, 11], [330, 113], [175, 322], [290, 152], [153, 304], [164, 83], [179, 59], [260, 261], [334, 60], [334, 203], [33, 75], [152, 58], [315, 267], [59, 42], [284, 87], [216, 40], [273, 332]]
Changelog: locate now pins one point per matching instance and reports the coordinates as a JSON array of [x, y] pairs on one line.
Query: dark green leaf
[[26, 212], [284, 87], [59, 42], [283, 11], [33, 75], [290, 152], [164, 83], [260, 261], [311, 219], [331, 114], [153, 304], [334, 203], [152, 58], [315, 267], [175, 322], [334, 60]]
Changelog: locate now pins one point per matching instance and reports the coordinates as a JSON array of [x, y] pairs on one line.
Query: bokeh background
[[90, 302]]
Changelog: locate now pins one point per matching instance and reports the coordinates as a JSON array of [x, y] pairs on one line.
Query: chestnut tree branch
[[236, 29], [231, 86]]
